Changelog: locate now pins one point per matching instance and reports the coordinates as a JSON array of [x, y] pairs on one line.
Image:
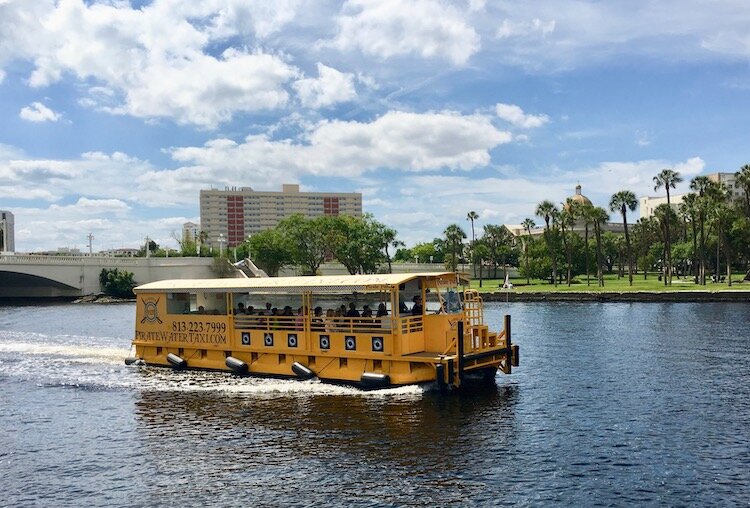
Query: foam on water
[[76, 361]]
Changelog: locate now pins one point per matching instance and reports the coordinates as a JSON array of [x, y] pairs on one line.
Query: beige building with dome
[[579, 227]]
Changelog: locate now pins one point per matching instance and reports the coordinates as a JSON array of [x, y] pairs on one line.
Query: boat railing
[[411, 324], [315, 324]]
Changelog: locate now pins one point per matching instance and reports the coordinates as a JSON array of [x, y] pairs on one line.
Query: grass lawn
[[613, 283]]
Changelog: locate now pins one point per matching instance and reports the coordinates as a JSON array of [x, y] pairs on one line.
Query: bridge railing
[[39, 259]]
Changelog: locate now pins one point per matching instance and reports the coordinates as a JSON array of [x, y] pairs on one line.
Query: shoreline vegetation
[[615, 290]]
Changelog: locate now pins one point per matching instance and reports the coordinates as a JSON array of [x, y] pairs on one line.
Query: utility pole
[[148, 251], [91, 239]]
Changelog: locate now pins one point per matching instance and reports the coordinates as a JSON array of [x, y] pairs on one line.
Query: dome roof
[[580, 198]]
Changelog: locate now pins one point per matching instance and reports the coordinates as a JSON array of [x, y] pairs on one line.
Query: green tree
[[548, 211], [117, 283], [743, 182], [309, 239], [271, 250], [667, 178], [567, 218], [528, 224], [598, 218], [359, 242], [622, 202], [454, 237], [688, 211], [703, 186]]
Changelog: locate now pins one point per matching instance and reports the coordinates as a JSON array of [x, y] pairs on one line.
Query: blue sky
[[116, 113]]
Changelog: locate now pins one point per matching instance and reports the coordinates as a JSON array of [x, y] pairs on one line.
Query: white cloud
[[388, 28], [330, 87], [514, 115], [154, 61], [38, 112], [548, 35], [397, 140], [520, 29]]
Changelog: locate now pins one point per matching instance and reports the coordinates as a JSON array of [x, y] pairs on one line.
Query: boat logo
[[268, 339], [150, 312], [245, 338], [377, 344], [291, 340]]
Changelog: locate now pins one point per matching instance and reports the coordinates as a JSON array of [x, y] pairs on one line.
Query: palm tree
[[527, 225], [454, 237], [599, 216], [585, 213], [689, 210], [701, 184], [472, 216], [743, 182], [567, 219], [548, 211], [667, 178], [622, 201], [388, 236]]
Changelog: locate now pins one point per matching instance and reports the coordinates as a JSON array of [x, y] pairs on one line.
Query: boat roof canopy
[[317, 284]]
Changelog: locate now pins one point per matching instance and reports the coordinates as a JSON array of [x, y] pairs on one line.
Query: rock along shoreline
[[616, 296]]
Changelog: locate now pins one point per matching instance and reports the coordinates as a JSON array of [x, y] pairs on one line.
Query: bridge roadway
[[37, 276]]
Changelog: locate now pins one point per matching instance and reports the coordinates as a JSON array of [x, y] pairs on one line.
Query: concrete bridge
[[36, 276]]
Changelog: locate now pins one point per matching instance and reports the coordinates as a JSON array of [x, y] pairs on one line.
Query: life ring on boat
[[268, 339], [291, 340], [245, 338], [325, 342], [377, 344], [350, 343]]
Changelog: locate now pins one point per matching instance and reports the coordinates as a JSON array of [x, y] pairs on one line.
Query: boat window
[[208, 303], [178, 303]]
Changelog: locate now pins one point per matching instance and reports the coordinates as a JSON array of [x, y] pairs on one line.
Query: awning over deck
[[320, 284]]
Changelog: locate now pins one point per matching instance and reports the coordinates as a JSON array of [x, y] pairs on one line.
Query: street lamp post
[[221, 245]]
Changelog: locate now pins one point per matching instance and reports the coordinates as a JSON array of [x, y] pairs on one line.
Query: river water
[[614, 404]]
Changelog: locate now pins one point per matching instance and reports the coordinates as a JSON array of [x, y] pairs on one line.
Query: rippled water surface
[[614, 404]]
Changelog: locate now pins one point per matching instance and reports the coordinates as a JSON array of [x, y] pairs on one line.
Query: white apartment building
[[7, 228], [236, 212], [649, 203], [729, 181]]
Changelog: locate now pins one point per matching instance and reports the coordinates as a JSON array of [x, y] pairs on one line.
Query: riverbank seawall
[[616, 296]]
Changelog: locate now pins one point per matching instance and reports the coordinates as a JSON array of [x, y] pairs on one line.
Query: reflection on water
[[613, 404], [349, 449]]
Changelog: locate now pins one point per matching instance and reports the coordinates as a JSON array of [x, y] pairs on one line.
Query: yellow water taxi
[[370, 330]]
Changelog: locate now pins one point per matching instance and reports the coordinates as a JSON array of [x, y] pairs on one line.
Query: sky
[[116, 113]]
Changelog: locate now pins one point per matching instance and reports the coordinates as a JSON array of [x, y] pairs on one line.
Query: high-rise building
[[7, 243], [190, 232], [236, 213]]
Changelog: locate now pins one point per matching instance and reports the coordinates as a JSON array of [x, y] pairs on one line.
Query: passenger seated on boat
[[299, 319], [317, 319], [417, 309], [330, 320], [366, 311], [240, 308], [382, 311], [250, 310], [352, 312], [201, 309]]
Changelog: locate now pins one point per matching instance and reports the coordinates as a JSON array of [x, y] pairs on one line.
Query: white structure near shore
[[7, 242]]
